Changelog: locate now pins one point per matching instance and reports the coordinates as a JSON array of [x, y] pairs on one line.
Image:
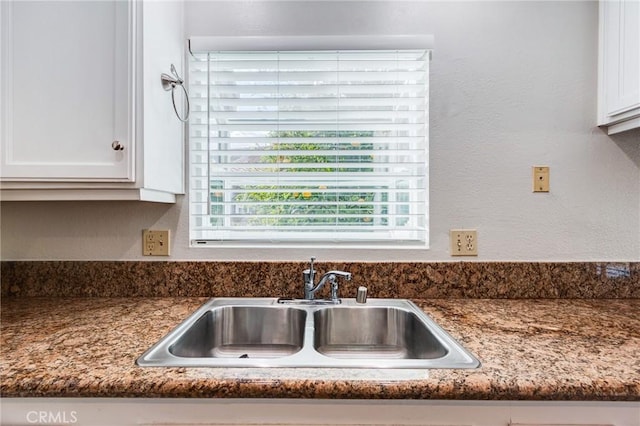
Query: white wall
[[513, 85]]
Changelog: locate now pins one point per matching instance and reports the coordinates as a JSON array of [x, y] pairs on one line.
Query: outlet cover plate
[[464, 242], [540, 179], [155, 243]]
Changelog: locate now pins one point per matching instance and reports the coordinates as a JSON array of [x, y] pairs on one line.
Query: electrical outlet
[[540, 179], [155, 243], [464, 242]]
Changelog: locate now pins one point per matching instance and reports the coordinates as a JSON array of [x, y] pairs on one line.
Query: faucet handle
[[309, 274]]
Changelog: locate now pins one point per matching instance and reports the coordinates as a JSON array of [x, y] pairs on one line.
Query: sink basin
[[243, 331], [376, 332], [260, 332]]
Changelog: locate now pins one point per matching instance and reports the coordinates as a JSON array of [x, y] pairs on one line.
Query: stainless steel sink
[[243, 332], [260, 332], [374, 332]]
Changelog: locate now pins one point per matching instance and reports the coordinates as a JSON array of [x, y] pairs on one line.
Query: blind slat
[[229, 153], [295, 104], [410, 129], [307, 91], [309, 116], [384, 142]]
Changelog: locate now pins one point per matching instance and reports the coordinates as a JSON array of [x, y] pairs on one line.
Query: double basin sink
[[262, 332]]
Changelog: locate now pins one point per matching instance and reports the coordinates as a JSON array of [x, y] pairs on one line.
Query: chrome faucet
[[310, 288]]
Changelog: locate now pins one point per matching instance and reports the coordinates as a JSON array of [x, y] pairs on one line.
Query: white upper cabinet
[[79, 118], [67, 73], [619, 65]]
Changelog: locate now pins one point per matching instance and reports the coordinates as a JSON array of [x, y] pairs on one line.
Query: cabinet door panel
[[67, 91], [622, 55]]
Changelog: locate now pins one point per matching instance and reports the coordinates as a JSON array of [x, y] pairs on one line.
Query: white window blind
[[309, 146]]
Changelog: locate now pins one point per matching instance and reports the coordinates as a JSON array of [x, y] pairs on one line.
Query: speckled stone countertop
[[536, 349], [402, 280]]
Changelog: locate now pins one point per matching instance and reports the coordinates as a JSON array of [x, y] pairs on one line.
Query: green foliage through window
[[322, 204]]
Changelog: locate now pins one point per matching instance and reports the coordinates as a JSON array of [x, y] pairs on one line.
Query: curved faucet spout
[[331, 277], [345, 275], [310, 288]]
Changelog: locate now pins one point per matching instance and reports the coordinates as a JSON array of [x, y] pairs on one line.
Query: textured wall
[[513, 85]]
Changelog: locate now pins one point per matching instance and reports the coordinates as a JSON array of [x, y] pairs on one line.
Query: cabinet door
[[67, 91], [621, 44]]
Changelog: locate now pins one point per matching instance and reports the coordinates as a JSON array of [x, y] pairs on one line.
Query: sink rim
[[457, 357]]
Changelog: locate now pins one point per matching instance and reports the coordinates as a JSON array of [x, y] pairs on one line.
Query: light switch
[[464, 242]]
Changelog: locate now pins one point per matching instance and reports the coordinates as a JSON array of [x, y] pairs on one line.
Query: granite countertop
[[535, 349]]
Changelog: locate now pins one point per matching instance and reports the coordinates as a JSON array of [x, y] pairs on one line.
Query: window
[[309, 146]]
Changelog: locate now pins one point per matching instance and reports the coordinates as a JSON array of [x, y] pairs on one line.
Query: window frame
[[342, 43]]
